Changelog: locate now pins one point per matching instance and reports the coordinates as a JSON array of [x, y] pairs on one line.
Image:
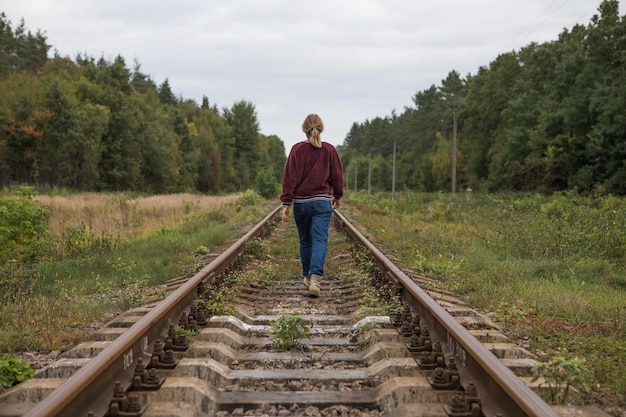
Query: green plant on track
[[393, 306], [186, 332], [217, 303], [13, 371], [562, 373], [256, 248], [288, 331], [336, 292]]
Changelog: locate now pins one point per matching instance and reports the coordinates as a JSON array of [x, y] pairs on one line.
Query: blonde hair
[[313, 127]]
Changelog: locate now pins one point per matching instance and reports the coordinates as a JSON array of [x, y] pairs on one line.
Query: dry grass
[[107, 214], [73, 293]]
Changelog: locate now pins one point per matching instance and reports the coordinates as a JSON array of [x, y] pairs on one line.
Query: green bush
[[288, 330], [265, 184], [562, 376], [23, 226], [250, 198], [13, 371]]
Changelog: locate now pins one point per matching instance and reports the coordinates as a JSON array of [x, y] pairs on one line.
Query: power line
[[587, 14], [514, 41]]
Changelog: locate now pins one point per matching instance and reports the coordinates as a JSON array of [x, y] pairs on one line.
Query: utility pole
[[451, 88], [393, 174], [454, 128], [369, 174], [356, 169]]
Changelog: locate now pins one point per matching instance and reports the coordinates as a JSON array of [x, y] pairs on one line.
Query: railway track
[[376, 343]]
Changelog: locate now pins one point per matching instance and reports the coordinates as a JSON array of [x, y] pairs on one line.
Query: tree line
[[549, 117], [546, 118], [95, 125]]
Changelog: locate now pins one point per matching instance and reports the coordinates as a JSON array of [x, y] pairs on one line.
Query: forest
[[87, 124], [549, 117]]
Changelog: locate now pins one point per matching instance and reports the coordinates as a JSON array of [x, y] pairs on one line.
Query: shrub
[[23, 226], [265, 184], [288, 330], [250, 198], [562, 373], [13, 371]]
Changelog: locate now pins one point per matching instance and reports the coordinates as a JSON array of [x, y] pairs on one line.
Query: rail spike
[[421, 342], [465, 404], [125, 405], [146, 379], [446, 378], [432, 360], [179, 342], [161, 358]]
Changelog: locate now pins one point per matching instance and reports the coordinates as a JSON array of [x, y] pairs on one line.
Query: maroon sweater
[[312, 174]]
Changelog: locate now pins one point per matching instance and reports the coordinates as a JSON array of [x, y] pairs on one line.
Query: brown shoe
[[314, 286]]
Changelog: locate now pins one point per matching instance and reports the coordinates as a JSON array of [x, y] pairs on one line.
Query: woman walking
[[313, 185]]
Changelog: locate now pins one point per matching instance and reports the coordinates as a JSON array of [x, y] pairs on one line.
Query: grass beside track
[[552, 270], [96, 267]]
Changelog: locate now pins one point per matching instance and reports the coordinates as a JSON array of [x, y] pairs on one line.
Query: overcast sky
[[347, 60]]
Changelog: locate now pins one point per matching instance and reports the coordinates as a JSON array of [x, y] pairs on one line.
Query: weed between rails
[[270, 263], [288, 330]]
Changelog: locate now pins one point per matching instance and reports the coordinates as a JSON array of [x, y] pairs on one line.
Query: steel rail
[[91, 387], [502, 391]]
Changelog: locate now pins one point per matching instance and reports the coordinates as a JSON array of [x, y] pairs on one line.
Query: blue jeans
[[312, 221]]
